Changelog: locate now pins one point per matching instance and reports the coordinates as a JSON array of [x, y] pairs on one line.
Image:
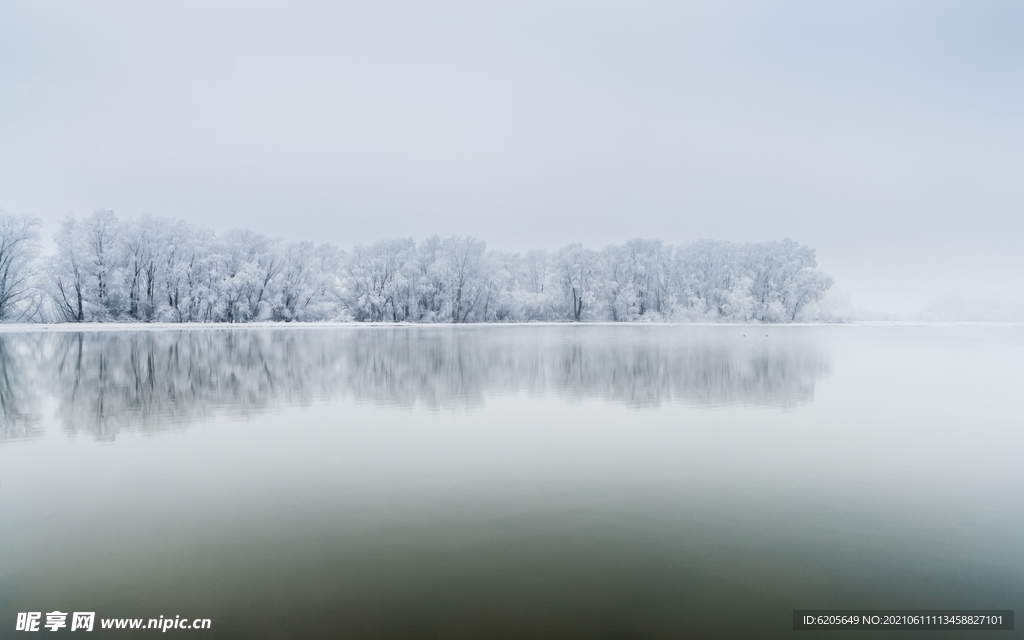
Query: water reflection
[[19, 403], [105, 382], [511, 482]]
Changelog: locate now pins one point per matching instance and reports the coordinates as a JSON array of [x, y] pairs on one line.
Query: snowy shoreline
[[71, 327]]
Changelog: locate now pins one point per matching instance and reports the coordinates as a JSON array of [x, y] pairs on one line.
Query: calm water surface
[[511, 482]]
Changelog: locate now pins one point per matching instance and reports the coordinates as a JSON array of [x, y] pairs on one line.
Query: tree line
[[150, 269]]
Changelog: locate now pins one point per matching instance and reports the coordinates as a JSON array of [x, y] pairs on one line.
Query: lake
[[530, 481]]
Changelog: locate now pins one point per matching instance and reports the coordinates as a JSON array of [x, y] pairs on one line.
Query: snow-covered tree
[[19, 250], [376, 278], [143, 240], [784, 279], [578, 275], [306, 281], [187, 274], [466, 271], [160, 269], [67, 272], [103, 268], [248, 266]]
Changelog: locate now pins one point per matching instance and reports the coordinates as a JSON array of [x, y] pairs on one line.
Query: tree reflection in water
[[20, 415], [152, 380]]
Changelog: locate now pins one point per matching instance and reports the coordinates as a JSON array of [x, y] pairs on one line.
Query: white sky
[[887, 135]]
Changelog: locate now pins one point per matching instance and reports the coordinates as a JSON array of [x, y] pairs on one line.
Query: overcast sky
[[887, 135]]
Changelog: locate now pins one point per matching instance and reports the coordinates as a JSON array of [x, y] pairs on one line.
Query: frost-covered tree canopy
[[155, 269]]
